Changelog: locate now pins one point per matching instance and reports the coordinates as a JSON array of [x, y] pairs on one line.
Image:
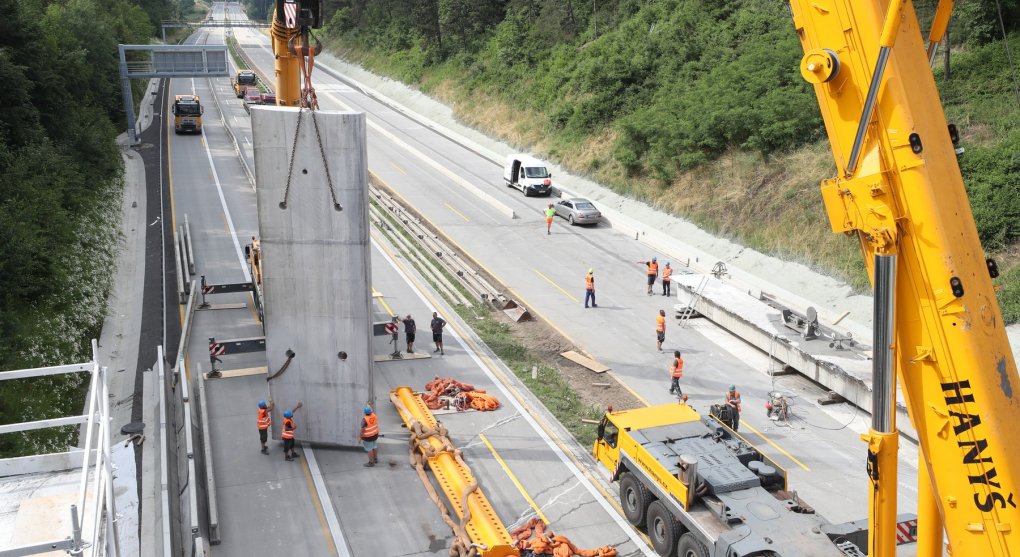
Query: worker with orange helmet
[[550, 212], [369, 435]]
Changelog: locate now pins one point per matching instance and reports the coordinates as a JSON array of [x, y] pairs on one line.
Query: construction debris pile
[[448, 393], [534, 540]]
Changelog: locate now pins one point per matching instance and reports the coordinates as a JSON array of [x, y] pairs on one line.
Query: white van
[[527, 174]]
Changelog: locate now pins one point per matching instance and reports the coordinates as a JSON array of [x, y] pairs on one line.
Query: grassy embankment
[[714, 126]]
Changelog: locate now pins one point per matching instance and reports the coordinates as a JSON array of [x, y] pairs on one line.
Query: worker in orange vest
[[289, 428], [676, 371], [589, 289], [369, 435], [653, 272], [667, 272], [660, 328], [733, 401], [264, 421]]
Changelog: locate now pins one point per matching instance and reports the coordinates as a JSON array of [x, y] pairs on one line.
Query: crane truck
[[937, 329]]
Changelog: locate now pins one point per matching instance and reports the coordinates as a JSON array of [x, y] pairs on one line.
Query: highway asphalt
[[267, 503]]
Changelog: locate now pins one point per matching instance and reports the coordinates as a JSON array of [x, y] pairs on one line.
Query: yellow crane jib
[[291, 37], [899, 190], [478, 530]]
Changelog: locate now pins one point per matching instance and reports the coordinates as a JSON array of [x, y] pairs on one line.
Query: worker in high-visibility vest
[[733, 401], [667, 272], [550, 212], [660, 328], [369, 435], [676, 371], [264, 422], [288, 432], [653, 272], [589, 289]]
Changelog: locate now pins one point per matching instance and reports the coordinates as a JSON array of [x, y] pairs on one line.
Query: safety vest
[[550, 212], [733, 397], [653, 268], [660, 324], [371, 426], [265, 419], [288, 429], [677, 367], [589, 282], [666, 273]]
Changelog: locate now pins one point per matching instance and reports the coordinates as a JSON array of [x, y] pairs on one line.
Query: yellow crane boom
[[899, 190]]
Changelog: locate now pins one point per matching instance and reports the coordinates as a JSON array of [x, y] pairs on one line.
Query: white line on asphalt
[[223, 201], [320, 490], [528, 417]]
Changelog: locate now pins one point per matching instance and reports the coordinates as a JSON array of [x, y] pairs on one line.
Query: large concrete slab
[[316, 275]]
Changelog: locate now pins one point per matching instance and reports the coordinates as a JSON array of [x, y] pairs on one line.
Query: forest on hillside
[[696, 106], [60, 189]]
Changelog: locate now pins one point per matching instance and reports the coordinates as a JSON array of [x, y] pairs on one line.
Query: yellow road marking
[[518, 297], [450, 207], [513, 478], [550, 281], [318, 507], [397, 167], [777, 447], [382, 301]]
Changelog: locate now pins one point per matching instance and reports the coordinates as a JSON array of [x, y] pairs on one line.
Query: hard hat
[[667, 263], [288, 414], [733, 388], [654, 259], [262, 404], [590, 272], [367, 410]]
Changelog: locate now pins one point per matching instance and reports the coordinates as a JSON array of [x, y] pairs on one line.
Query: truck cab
[[243, 80], [527, 174], [187, 112]]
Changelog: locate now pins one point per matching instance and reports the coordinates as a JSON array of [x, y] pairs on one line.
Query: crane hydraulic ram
[[899, 190]]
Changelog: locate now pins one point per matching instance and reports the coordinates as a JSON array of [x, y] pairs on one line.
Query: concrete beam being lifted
[[316, 268]]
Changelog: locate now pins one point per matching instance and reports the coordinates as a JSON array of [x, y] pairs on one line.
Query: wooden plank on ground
[[238, 305], [242, 372], [403, 356], [585, 361]]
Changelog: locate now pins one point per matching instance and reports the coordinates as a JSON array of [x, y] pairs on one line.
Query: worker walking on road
[[589, 289], [676, 372], [437, 332], [667, 281], [660, 328], [369, 435], [653, 272], [550, 212], [409, 329], [289, 429], [733, 401], [265, 420]]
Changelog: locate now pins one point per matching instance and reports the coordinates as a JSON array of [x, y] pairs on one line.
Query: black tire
[[662, 528], [689, 546], [634, 498], [570, 219]]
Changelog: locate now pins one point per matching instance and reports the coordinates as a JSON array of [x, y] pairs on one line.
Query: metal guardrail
[[96, 480]]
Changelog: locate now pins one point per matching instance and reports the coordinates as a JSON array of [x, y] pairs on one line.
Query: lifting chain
[[322, 155]]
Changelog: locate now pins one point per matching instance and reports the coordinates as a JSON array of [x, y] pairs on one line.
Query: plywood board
[[585, 361]]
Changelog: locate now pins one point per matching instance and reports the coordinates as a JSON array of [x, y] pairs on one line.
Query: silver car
[[578, 210]]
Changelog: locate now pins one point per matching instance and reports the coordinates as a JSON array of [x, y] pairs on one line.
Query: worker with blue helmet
[[264, 420], [288, 432], [369, 435], [667, 281]]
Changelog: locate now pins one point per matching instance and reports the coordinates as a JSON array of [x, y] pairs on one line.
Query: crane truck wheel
[[663, 529], [689, 546], [635, 499]]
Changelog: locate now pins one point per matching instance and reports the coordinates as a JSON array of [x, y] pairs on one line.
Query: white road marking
[[320, 489]]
